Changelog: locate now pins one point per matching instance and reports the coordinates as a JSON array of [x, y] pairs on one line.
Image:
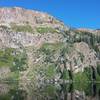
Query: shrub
[[6, 57], [22, 28], [46, 30], [50, 72], [98, 69], [20, 63]]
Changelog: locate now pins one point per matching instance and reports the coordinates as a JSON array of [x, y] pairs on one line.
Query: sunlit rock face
[[22, 16], [37, 46]]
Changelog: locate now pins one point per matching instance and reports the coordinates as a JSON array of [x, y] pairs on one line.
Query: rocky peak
[[19, 15]]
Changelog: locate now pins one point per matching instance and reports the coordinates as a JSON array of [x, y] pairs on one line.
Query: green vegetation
[[15, 60], [50, 71], [98, 77], [91, 39], [87, 72], [50, 51], [19, 62], [5, 97], [9, 58], [86, 75], [48, 48], [6, 57], [50, 89], [83, 86], [15, 94], [18, 94], [46, 30], [98, 69], [98, 72], [22, 28], [65, 75], [83, 76], [46, 71], [13, 76]]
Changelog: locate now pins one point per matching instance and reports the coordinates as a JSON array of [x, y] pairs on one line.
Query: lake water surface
[[49, 91]]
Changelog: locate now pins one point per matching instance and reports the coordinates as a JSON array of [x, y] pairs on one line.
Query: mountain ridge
[[36, 45]]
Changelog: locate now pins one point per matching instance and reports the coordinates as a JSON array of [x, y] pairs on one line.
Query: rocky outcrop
[[31, 38]]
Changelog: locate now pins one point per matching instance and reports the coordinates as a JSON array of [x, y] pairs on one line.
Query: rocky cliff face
[[16, 21], [36, 44]]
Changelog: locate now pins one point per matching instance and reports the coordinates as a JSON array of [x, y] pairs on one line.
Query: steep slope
[[35, 45]]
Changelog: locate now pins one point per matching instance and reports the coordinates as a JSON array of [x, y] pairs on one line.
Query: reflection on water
[[53, 91]]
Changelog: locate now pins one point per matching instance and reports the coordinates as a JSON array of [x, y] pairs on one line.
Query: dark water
[[50, 91]]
